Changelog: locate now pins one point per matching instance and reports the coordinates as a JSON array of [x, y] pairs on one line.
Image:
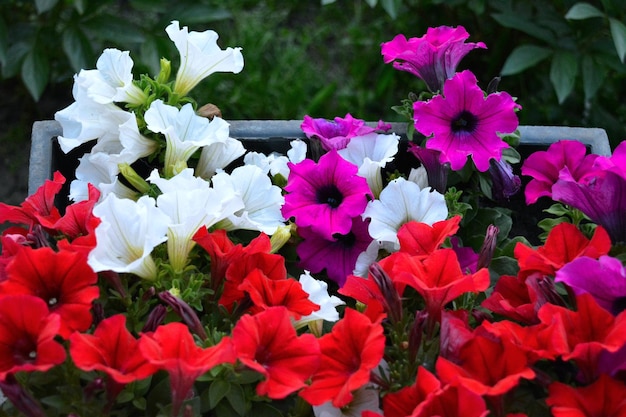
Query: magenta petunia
[[432, 57], [603, 278], [338, 256], [544, 166], [335, 134], [464, 122], [326, 195]]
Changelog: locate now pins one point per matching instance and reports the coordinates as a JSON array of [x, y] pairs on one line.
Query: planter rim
[[44, 132]]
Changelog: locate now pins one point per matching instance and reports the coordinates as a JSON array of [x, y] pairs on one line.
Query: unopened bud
[[280, 238], [133, 178], [189, 316], [391, 298], [488, 248], [164, 72], [209, 111]]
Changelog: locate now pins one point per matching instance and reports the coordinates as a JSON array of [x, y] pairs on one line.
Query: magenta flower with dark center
[[463, 122], [338, 255], [432, 57], [326, 195], [335, 134]]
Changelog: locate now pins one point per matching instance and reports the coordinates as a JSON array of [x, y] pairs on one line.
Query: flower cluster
[[189, 276]]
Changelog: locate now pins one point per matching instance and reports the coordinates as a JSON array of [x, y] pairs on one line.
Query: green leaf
[[80, 6], [391, 7], [593, 76], [523, 57], [325, 2], [237, 400], [218, 390], [77, 48], [618, 33], [115, 29], [4, 41], [521, 23], [45, 5], [581, 11], [35, 72], [372, 3], [563, 73], [199, 13]]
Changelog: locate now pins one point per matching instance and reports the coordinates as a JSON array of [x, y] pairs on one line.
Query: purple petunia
[[433, 57], [603, 278], [335, 134], [326, 195], [464, 122], [337, 256]]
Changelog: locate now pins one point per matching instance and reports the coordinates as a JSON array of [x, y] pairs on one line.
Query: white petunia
[[184, 131], [86, 120], [190, 203], [419, 176], [318, 293], [134, 144], [101, 170], [114, 80], [127, 234], [218, 156], [364, 398], [276, 163], [400, 202], [262, 200], [371, 153], [200, 56]]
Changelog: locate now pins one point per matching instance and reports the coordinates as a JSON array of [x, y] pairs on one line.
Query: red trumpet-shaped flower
[[350, 352], [62, 279], [604, 397], [172, 348], [268, 343], [27, 332]]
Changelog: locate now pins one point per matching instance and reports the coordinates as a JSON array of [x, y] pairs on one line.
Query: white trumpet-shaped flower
[[318, 293], [200, 56], [262, 200], [371, 153], [101, 170], [184, 131], [128, 233], [218, 156], [190, 203], [400, 202], [275, 163], [113, 80]]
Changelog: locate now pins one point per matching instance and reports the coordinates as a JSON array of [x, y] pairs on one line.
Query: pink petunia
[[464, 122]]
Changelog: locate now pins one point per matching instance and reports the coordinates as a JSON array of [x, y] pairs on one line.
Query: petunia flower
[[336, 133], [217, 156], [62, 279], [275, 163], [464, 122], [432, 57], [111, 349], [402, 201], [544, 166], [190, 203], [604, 278], [100, 169], [185, 132], [200, 56], [436, 171], [563, 244], [113, 79], [27, 333], [603, 397], [350, 352], [371, 153], [364, 399], [327, 195], [338, 255], [318, 293], [172, 348], [268, 343], [261, 200], [128, 233], [505, 183]]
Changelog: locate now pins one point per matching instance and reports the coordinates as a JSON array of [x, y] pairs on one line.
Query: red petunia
[[487, 365], [78, 224], [172, 348], [438, 278], [38, 208], [111, 349], [514, 299], [353, 348], [564, 244], [588, 332], [418, 238], [268, 343], [62, 279], [605, 397], [265, 293], [27, 332]]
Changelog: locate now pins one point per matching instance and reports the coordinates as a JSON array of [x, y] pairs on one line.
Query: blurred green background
[[562, 59]]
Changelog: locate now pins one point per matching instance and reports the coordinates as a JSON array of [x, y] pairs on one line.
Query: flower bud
[[155, 318], [488, 247], [280, 238], [209, 111], [164, 72], [133, 178], [391, 298], [189, 316]]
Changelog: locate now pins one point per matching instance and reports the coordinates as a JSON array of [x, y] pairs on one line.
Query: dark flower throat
[[464, 122], [329, 194]]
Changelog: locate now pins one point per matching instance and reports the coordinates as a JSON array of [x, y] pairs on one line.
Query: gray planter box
[[268, 135]]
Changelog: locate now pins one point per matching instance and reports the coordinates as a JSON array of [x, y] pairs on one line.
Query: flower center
[[24, 351], [619, 305], [347, 241], [464, 122], [329, 194]]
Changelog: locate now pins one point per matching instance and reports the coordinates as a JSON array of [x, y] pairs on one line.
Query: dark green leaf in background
[[581, 11], [45, 5], [35, 72], [524, 57], [77, 48], [593, 76], [618, 33], [4, 42], [563, 73]]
